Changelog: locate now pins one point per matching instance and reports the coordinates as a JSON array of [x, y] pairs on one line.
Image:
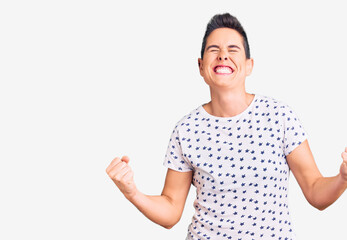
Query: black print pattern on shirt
[[240, 169]]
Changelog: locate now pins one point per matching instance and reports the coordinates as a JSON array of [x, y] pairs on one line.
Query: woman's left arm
[[319, 191]]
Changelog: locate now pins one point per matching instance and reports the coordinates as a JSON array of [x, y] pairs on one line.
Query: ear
[[249, 66], [200, 66]]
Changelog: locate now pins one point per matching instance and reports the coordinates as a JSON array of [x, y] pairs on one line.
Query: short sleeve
[[174, 157], [294, 132]]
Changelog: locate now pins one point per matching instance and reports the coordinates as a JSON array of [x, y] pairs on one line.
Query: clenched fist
[[343, 168], [122, 175]]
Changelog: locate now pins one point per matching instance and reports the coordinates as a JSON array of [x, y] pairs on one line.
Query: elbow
[[322, 207], [318, 206], [170, 225], [317, 202]]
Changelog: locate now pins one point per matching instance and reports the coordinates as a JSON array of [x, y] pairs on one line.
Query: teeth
[[223, 70]]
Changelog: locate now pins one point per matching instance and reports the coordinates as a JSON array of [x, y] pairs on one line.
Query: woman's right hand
[[122, 175]]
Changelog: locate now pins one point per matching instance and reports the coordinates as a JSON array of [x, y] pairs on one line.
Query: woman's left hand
[[343, 168]]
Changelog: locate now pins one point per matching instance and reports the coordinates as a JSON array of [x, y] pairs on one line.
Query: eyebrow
[[216, 46]]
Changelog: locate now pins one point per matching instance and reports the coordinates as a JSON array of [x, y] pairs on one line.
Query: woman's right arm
[[165, 209]]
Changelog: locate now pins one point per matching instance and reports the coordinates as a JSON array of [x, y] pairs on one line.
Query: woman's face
[[224, 63]]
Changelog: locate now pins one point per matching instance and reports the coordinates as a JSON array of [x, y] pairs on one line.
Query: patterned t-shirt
[[240, 169]]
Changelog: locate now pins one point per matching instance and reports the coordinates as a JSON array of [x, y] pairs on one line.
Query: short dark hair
[[225, 21]]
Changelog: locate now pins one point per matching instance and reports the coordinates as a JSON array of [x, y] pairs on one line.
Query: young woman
[[237, 150]]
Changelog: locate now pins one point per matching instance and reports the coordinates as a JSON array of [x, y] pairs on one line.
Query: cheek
[[206, 68], [240, 63], [206, 73]]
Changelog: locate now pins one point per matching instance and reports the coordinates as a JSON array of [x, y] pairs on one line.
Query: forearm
[[326, 190], [158, 209]]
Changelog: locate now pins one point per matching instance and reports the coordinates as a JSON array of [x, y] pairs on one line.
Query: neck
[[228, 103]]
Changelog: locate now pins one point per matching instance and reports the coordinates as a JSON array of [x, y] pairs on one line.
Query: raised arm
[[319, 191], [165, 209]]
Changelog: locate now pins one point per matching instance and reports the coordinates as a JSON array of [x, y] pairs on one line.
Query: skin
[[228, 94], [228, 98]]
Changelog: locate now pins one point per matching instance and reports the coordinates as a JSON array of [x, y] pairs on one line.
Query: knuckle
[[110, 173], [130, 177], [117, 178], [116, 160]]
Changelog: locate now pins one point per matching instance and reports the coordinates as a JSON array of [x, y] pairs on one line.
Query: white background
[[85, 81]]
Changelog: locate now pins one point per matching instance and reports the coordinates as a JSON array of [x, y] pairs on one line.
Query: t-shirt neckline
[[205, 113]]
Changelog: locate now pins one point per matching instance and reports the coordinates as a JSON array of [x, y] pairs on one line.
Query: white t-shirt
[[240, 169]]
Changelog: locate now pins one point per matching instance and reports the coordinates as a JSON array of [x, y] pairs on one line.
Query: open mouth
[[223, 69]]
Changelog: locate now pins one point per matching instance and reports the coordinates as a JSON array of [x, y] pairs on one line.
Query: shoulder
[[269, 101], [188, 119], [273, 104], [279, 110]]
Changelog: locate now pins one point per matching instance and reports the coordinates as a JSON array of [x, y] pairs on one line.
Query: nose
[[222, 56]]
